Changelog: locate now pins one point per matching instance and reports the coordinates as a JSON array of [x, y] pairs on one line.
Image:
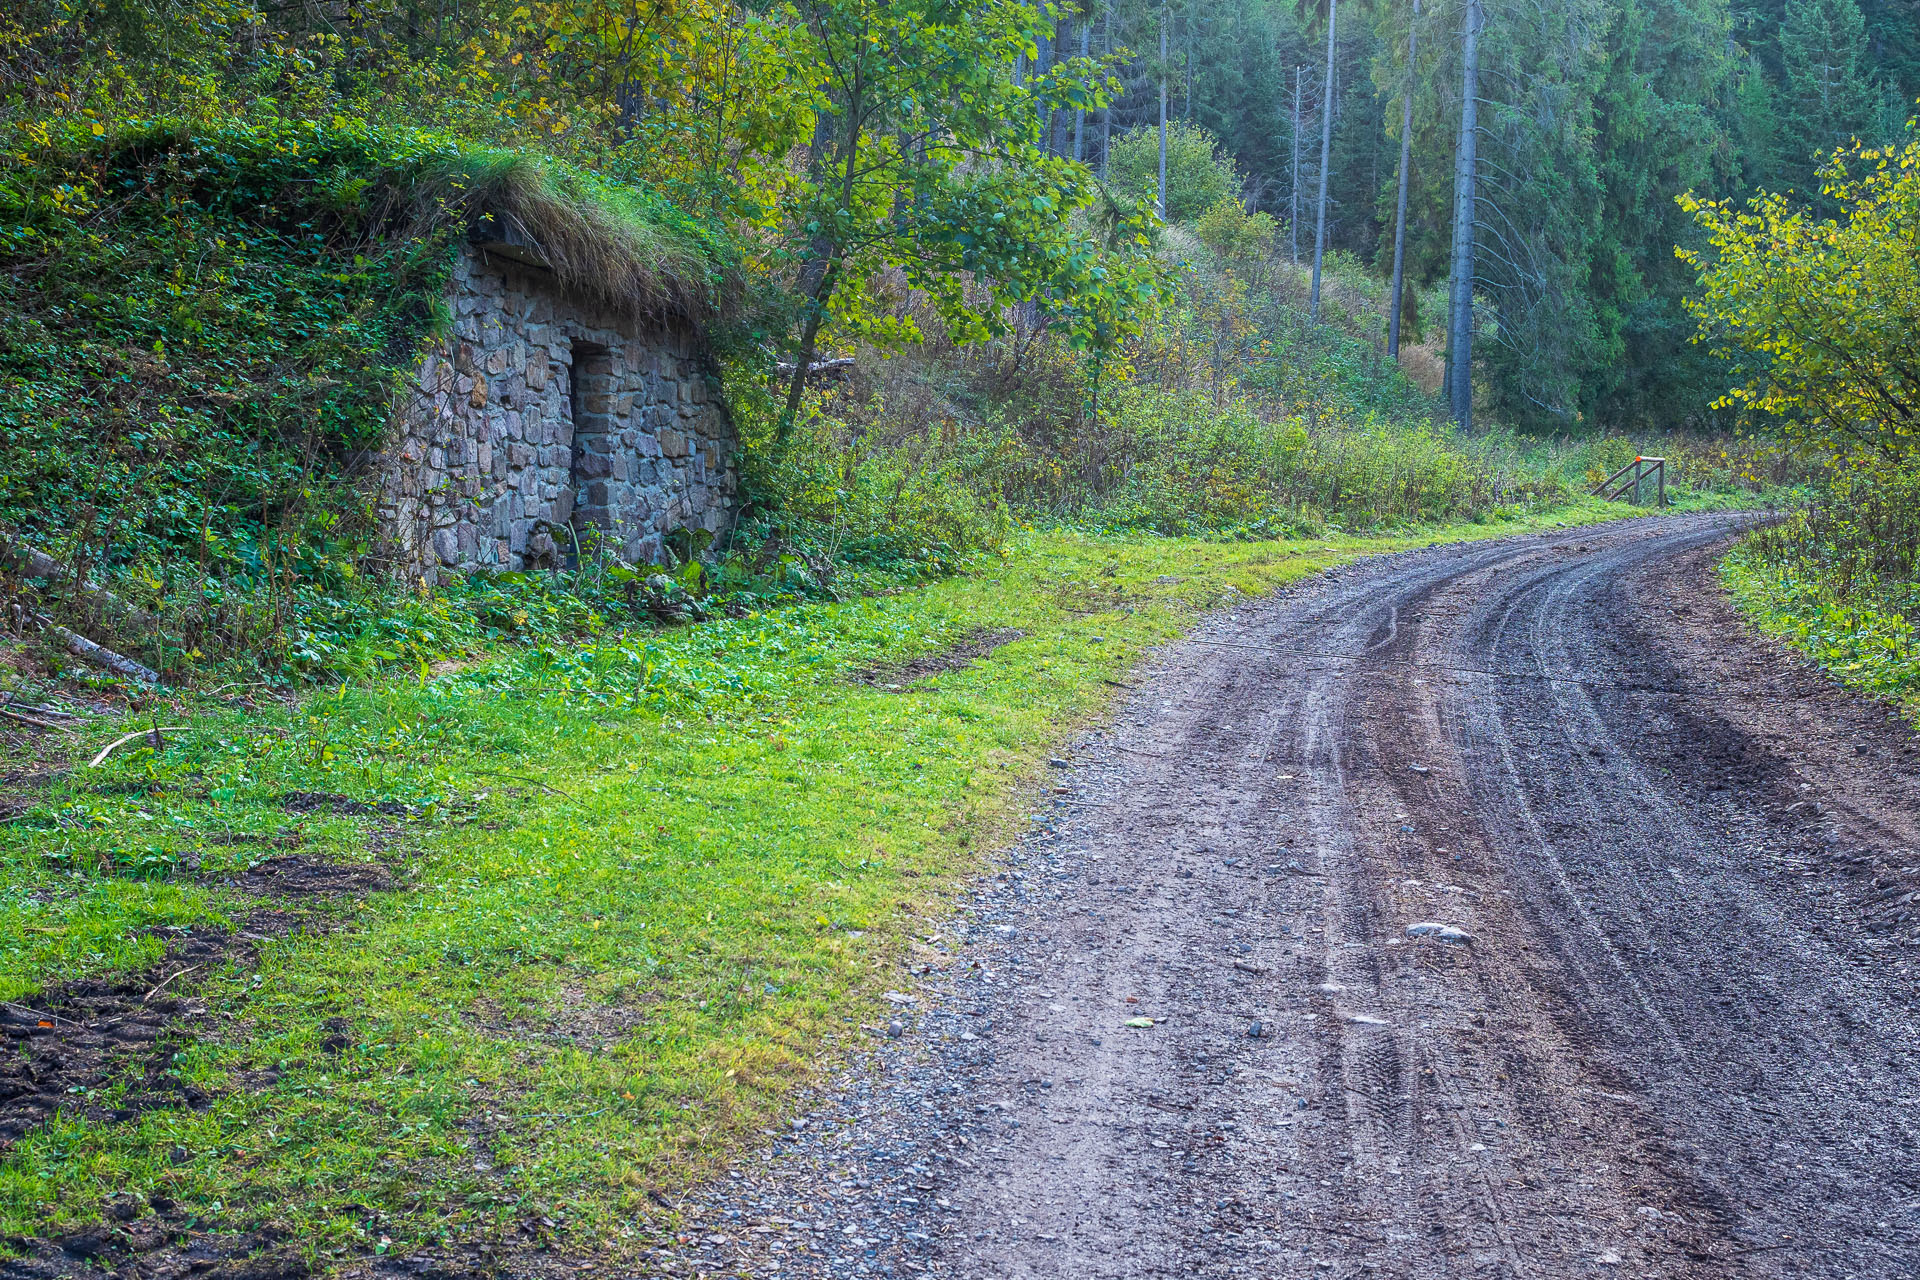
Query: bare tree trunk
[[1041, 65], [1080, 113], [1293, 193], [1465, 177], [1160, 198], [1106, 112], [1186, 26], [1057, 120], [820, 270], [1326, 156], [818, 291], [1400, 209]]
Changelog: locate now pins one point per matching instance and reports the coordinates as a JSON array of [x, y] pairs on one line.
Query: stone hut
[[547, 426]]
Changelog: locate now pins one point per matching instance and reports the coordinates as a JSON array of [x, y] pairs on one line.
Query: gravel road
[[1677, 1040]]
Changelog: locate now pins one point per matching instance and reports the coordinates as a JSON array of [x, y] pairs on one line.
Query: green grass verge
[[650, 887], [1867, 645]]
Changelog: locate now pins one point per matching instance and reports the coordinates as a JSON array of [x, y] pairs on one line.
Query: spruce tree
[[1826, 99]]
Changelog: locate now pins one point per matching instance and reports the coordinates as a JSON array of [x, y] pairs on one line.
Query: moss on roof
[[623, 246], [619, 244]]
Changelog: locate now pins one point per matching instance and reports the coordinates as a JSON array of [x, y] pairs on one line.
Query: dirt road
[[1679, 1042]]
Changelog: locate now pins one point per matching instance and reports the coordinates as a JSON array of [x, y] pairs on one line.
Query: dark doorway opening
[[590, 402]]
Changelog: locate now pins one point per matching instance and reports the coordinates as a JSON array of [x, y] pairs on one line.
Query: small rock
[[1096, 639], [896, 1029], [1441, 932], [1058, 763], [1256, 1029], [1419, 768]]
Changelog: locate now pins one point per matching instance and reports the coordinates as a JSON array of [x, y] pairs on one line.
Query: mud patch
[[277, 840], [328, 802], [156, 1241], [302, 875], [73, 1038], [578, 1018], [958, 656]]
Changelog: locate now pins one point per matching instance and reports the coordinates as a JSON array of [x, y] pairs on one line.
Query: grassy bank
[[620, 902], [1836, 581]]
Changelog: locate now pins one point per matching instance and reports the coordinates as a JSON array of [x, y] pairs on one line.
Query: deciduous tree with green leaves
[[1820, 315], [924, 160]]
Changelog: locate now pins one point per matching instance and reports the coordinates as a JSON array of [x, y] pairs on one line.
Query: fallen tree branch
[[39, 710], [156, 991], [50, 1019], [99, 655], [31, 562], [11, 714], [155, 731]]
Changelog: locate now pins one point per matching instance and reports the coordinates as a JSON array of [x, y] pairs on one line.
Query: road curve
[[1680, 1041]]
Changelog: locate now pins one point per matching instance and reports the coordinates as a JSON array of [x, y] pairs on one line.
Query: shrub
[[1819, 316], [1199, 173], [1236, 235]]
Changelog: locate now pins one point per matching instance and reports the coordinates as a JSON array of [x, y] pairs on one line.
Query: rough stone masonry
[[543, 428]]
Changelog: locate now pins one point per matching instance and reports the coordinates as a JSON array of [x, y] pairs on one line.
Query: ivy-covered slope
[[200, 332]]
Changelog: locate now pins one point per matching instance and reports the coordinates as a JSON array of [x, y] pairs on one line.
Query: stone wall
[[540, 424]]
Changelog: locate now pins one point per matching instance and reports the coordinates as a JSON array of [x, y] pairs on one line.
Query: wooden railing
[[1643, 469]]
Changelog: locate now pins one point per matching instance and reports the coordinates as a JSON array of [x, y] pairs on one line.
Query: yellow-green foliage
[[1236, 235], [1199, 173], [1836, 581], [1821, 316]]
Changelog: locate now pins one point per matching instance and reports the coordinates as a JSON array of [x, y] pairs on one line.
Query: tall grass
[[1230, 415]]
